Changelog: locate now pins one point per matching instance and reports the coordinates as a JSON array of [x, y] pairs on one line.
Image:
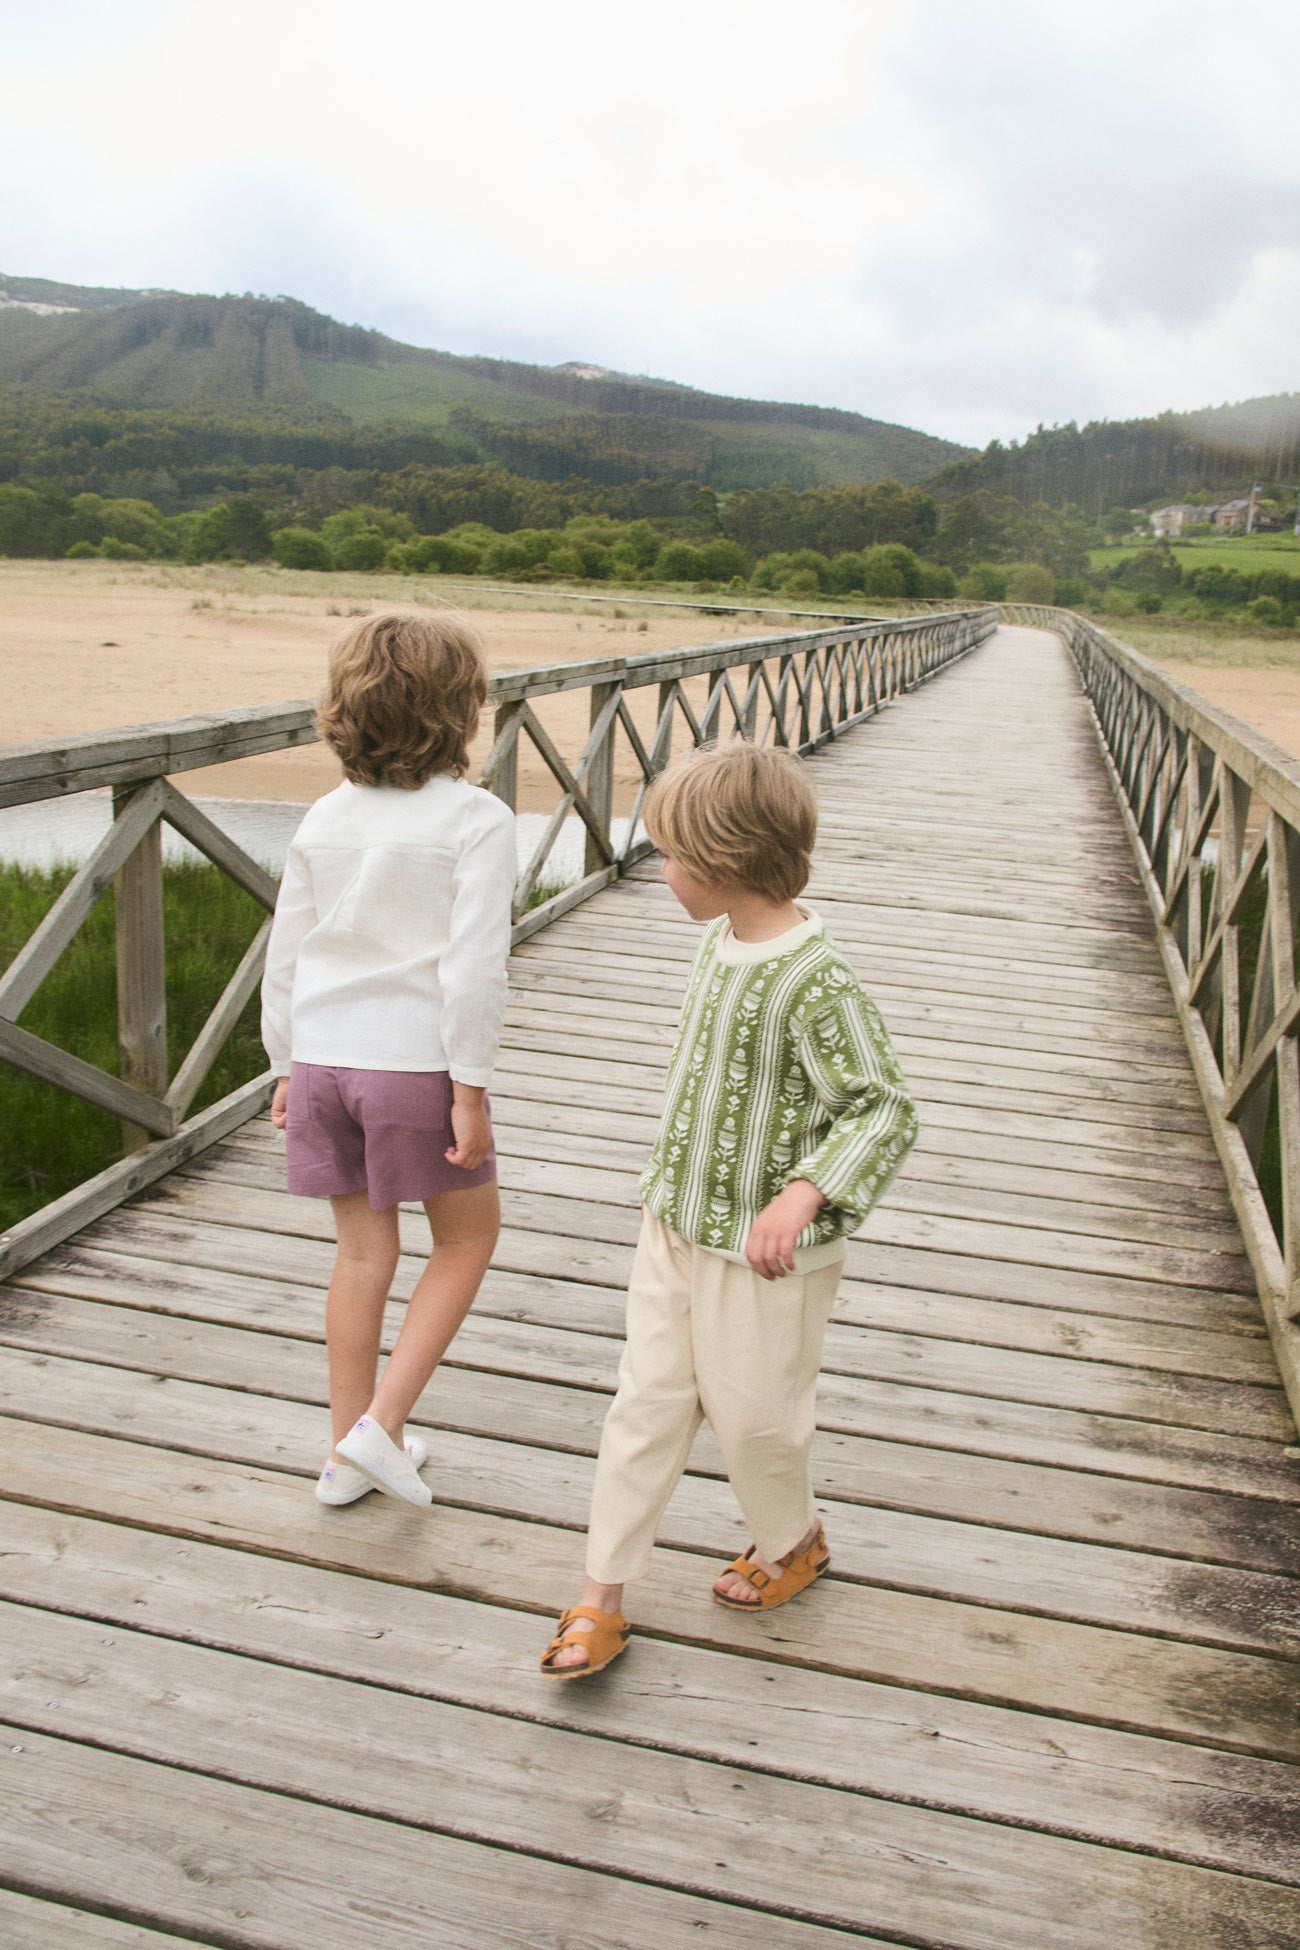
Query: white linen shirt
[[391, 932]]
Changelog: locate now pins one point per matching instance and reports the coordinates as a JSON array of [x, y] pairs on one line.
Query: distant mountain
[[1136, 463], [235, 355]]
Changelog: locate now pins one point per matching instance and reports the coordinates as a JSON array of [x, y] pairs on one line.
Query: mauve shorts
[[384, 1132]]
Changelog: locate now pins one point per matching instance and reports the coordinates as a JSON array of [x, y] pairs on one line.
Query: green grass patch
[[1228, 645], [49, 1141], [1251, 554]]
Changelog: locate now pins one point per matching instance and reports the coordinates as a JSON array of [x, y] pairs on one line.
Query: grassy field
[[50, 1142], [1249, 553], [1225, 646]]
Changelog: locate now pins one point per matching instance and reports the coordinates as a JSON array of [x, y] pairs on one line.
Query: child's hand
[[470, 1128], [770, 1245], [280, 1103]]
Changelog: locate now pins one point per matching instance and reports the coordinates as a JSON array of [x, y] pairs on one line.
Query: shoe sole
[[740, 1604], [588, 1671]]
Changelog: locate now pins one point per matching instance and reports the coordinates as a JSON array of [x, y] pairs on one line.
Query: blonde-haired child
[[381, 1012], [785, 1117]]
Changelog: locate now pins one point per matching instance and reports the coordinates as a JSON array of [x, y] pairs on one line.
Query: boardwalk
[[1048, 1697]]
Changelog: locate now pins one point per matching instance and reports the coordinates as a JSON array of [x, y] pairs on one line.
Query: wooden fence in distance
[[795, 691]]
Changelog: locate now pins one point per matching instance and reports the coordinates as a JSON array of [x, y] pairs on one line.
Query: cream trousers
[[707, 1338]]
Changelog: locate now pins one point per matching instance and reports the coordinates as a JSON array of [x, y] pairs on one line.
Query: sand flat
[[89, 646]]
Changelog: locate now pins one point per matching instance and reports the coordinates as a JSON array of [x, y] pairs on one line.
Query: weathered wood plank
[[26, 1923], [577, 1800], [1093, 1783], [1137, 1683], [980, 1564], [282, 1358], [296, 1872]]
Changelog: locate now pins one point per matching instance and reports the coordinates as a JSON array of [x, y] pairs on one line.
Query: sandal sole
[[740, 1604], [584, 1672]]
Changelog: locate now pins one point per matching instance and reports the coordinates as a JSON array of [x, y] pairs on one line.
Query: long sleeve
[[295, 916], [472, 967], [849, 1062]]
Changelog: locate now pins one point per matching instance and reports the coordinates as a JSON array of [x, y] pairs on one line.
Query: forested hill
[[275, 364], [1134, 463]]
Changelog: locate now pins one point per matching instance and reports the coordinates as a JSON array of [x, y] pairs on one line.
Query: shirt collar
[[735, 954]]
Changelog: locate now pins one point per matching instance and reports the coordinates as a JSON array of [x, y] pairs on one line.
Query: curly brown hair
[[403, 697], [738, 812]]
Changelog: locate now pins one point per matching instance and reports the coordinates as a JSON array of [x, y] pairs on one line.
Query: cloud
[[968, 219]]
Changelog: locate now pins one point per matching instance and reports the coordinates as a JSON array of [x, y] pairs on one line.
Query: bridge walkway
[[1047, 1697]]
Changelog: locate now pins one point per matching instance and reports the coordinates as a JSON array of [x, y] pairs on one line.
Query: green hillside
[[150, 351], [1141, 463]]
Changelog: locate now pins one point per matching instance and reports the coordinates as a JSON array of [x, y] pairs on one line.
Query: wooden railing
[[796, 691], [1212, 810]]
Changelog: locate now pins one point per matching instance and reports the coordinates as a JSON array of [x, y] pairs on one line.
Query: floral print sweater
[[782, 1069]]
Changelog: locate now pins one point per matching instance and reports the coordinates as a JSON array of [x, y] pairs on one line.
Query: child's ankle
[[602, 1597]]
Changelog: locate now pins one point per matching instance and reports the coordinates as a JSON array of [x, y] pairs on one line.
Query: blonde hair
[[738, 812], [403, 697]]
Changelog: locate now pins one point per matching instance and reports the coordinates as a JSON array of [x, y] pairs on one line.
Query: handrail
[[796, 691], [1212, 810]]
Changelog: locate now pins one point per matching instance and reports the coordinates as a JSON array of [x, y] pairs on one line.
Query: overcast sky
[[966, 217]]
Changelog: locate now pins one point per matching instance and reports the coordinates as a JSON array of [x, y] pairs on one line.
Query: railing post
[[506, 783], [600, 778], [141, 970]]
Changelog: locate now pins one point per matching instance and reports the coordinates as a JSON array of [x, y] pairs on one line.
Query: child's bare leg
[[464, 1227], [354, 1309], [732, 1585]]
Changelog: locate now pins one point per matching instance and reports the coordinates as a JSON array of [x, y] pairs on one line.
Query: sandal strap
[[566, 1636]]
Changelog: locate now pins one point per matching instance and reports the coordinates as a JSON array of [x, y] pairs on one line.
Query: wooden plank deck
[[1048, 1697]]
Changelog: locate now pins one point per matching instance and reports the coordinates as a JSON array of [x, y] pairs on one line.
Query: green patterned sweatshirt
[[782, 1069]]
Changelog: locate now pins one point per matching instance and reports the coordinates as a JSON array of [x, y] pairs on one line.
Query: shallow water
[[54, 832]]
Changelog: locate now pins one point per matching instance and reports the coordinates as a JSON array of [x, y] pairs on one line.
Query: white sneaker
[[342, 1482], [390, 1469]]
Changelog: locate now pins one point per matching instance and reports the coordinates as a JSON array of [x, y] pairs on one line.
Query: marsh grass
[[50, 1142], [1226, 645]]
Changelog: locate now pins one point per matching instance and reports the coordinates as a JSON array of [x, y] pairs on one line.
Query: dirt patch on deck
[[87, 646]]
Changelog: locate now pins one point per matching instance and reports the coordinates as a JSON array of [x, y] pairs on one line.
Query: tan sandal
[[799, 1569], [602, 1644]]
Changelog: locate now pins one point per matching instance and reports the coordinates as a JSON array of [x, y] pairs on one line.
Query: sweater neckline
[[737, 954]]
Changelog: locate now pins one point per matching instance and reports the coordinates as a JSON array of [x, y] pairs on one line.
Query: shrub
[[679, 562], [1030, 582], [724, 559], [889, 569], [1119, 602], [1265, 609], [29, 524], [844, 572], [365, 550], [768, 571], [1072, 592], [443, 555], [985, 581], [234, 530], [937, 580], [1215, 584], [118, 551], [301, 548], [80, 550], [802, 582]]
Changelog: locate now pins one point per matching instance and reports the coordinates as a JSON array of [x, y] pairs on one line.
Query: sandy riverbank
[[88, 646]]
